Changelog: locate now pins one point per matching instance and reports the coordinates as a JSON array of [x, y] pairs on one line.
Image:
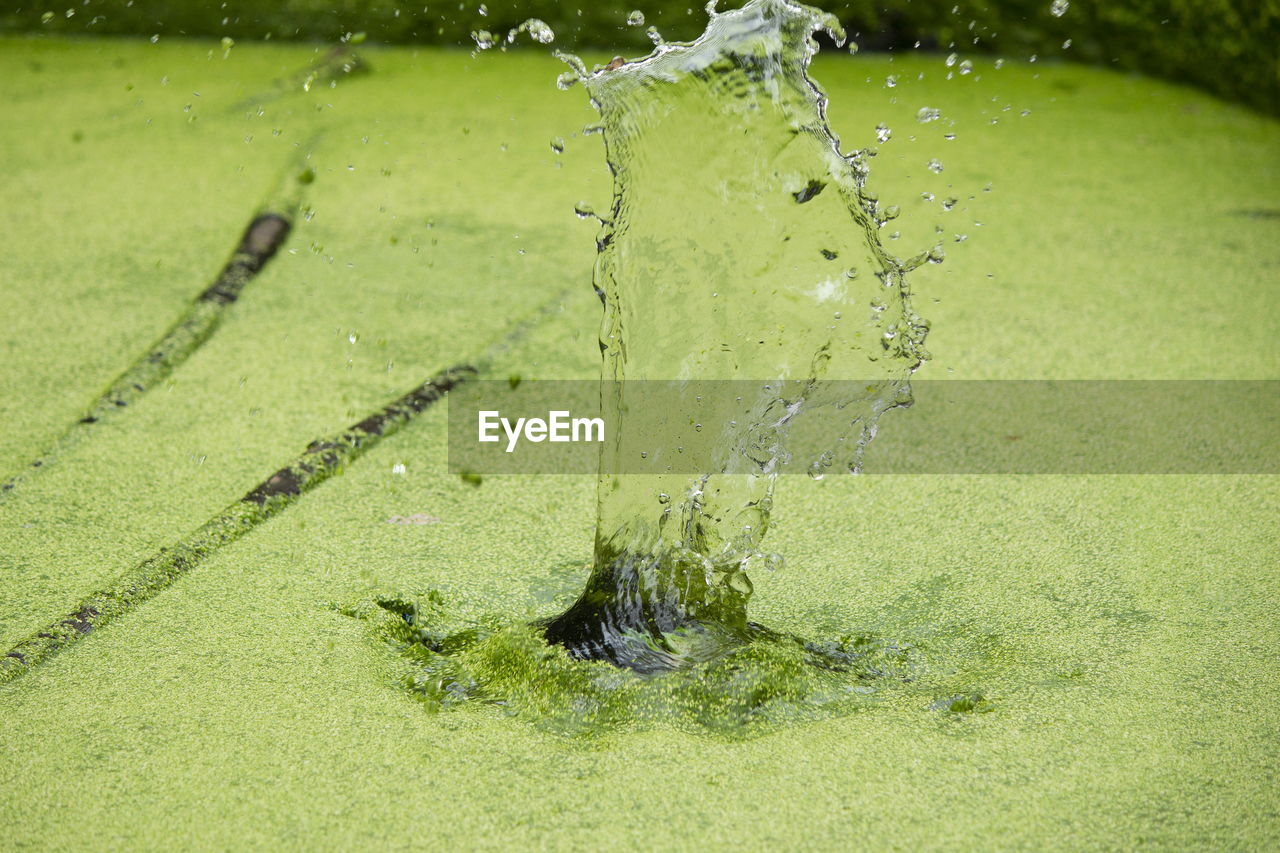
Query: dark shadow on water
[[1258, 213]]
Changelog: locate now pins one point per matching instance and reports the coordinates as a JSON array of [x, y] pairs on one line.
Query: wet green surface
[[1121, 630]]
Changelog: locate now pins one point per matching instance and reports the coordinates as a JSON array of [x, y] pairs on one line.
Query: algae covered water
[[742, 244]]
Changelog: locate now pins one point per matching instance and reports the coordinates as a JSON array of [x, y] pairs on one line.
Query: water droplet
[[541, 32], [935, 166], [1066, 44], [664, 498], [352, 337], [537, 30], [557, 145], [927, 114], [483, 10], [951, 59], [1058, 8], [483, 39], [46, 17], [999, 64], [883, 132], [398, 468], [965, 66], [949, 203], [155, 38], [635, 19], [655, 36], [891, 81], [583, 210]]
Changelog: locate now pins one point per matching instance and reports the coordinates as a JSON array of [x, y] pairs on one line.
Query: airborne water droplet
[[537, 30], [935, 166], [883, 132], [927, 114], [635, 19], [1058, 8]]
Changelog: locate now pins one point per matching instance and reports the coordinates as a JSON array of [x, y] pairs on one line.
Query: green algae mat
[[1069, 661]]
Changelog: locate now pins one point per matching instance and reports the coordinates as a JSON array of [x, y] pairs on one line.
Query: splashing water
[[742, 245], [733, 250]]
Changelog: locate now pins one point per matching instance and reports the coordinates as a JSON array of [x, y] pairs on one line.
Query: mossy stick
[[262, 238], [321, 459]]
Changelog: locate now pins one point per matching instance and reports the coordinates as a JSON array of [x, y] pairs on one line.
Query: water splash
[[742, 244], [735, 218]]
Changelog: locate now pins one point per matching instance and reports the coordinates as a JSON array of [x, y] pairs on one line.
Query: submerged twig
[[321, 460], [263, 237], [339, 61]]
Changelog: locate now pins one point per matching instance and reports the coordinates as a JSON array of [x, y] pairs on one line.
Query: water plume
[[743, 244]]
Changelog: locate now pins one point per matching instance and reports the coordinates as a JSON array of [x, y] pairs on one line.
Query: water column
[[742, 247]]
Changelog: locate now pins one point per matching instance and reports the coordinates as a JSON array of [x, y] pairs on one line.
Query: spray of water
[[742, 245]]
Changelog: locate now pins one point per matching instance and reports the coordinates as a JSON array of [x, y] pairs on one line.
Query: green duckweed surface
[[1120, 631]]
